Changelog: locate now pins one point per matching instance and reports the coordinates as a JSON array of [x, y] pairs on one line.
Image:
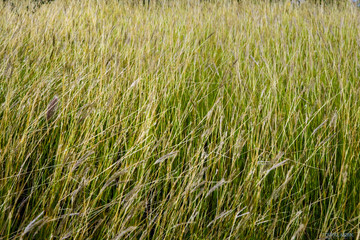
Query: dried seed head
[[51, 109]]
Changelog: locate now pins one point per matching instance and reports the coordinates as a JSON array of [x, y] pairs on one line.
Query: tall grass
[[185, 120]]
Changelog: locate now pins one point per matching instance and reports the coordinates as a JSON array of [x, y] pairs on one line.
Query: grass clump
[[184, 120]]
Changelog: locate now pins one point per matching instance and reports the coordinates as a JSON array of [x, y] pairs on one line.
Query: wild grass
[[184, 120]]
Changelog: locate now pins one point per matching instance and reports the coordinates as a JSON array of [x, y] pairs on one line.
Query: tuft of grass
[[179, 120]]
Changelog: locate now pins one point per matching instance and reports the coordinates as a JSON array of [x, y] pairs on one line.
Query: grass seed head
[[51, 109]]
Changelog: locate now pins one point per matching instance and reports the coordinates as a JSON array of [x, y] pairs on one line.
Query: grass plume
[[51, 109]]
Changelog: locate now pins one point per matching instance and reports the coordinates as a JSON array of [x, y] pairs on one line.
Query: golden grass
[[184, 120]]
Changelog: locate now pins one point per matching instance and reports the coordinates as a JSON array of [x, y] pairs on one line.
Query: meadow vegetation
[[180, 120]]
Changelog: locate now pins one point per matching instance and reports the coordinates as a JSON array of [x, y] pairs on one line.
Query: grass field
[[185, 120]]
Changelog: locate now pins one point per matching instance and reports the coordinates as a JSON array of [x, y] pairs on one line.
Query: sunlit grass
[[179, 121]]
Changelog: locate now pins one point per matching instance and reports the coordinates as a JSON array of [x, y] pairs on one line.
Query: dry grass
[[185, 120]]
